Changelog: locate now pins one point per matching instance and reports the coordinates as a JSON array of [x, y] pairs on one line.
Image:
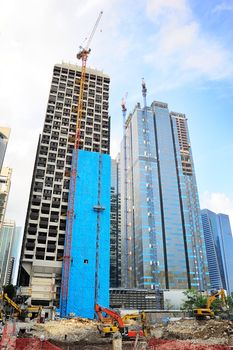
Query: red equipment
[[116, 319]]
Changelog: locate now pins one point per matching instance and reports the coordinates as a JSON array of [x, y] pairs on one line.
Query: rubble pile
[[205, 332], [180, 334], [75, 329], [162, 344]]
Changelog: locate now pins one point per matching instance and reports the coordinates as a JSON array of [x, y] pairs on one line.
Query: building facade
[[162, 236], [213, 252], [6, 258], [5, 185], [115, 228], [89, 271], [15, 252], [43, 243], [219, 248], [4, 137]]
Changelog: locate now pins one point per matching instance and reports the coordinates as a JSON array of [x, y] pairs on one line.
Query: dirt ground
[[207, 331], [180, 334]]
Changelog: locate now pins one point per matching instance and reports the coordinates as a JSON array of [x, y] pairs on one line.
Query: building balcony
[[30, 245], [32, 230]]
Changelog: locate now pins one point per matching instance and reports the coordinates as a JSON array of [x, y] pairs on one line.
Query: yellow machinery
[[4, 296], [129, 320], [28, 312], [201, 313], [129, 325]]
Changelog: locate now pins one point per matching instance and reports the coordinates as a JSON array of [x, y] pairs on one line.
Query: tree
[[9, 290], [230, 302], [194, 300]]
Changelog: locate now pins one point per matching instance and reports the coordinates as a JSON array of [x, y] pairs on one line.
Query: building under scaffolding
[[90, 252]]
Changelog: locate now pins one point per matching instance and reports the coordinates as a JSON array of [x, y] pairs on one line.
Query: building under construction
[[90, 251], [45, 227], [162, 236]]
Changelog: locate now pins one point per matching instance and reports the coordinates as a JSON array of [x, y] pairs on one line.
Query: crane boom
[[94, 30]]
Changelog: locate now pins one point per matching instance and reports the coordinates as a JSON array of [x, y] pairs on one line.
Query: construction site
[[64, 299], [139, 331]]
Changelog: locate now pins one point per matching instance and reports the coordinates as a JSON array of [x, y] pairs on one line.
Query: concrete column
[[117, 341]]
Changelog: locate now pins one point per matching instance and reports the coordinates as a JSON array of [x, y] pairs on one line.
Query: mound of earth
[[206, 331]]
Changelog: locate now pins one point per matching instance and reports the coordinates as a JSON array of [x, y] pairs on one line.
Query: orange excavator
[[115, 323]]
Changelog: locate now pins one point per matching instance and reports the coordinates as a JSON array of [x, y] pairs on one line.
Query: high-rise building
[[4, 137], [219, 248], [43, 243], [15, 252], [212, 244], [115, 228], [89, 271], [6, 258], [162, 236], [5, 184]]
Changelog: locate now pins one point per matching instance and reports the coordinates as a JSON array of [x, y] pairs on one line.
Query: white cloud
[[223, 6], [33, 37], [160, 7], [181, 50], [156, 39], [218, 202]]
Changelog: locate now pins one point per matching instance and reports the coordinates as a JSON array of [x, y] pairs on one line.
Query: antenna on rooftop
[[144, 91]]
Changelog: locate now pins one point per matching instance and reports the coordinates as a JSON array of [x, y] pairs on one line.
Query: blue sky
[[183, 49]]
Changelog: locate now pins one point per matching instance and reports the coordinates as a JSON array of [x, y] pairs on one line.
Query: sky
[[182, 48]]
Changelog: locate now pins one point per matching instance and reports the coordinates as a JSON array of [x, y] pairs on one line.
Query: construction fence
[[10, 341], [34, 344]]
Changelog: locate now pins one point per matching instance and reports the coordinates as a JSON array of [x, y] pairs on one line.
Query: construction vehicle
[[115, 323], [201, 313], [21, 312]]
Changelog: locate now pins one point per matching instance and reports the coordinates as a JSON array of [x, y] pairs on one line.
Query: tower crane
[[126, 253], [83, 56]]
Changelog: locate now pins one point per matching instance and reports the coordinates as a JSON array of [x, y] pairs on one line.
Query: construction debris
[[178, 334], [75, 329], [198, 332]]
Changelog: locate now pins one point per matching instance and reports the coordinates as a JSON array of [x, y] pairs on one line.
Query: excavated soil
[[182, 334], [208, 332], [73, 330], [160, 344]]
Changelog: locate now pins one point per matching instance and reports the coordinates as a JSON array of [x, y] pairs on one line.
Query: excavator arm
[[114, 315], [12, 303], [212, 298], [207, 311]]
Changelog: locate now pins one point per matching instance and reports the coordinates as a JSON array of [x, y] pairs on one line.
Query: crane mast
[[83, 55]]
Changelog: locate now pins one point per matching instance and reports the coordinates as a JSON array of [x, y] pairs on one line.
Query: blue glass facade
[[219, 248], [164, 242], [213, 252]]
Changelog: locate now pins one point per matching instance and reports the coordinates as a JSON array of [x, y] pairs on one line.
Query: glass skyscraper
[[4, 137], [115, 228], [219, 248], [162, 237]]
